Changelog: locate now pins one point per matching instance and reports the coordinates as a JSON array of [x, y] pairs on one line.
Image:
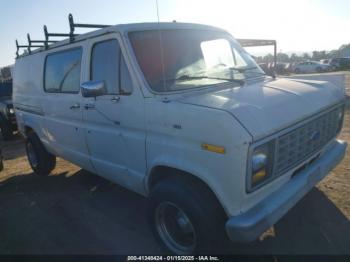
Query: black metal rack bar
[[260, 42], [19, 47], [48, 35], [45, 43], [73, 25]]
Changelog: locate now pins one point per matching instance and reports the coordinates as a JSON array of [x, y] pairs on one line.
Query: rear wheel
[[41, 161], [186, 218]]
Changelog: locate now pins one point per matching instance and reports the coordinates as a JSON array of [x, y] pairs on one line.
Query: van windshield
[[173, 60]]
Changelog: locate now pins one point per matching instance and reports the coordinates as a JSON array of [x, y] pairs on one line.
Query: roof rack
[[48, 35], [73, 25], [45, 43]]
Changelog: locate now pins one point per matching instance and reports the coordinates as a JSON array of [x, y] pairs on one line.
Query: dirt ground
[[75, 212]]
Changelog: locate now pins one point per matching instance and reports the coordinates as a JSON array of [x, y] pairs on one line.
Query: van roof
[[123, 29]]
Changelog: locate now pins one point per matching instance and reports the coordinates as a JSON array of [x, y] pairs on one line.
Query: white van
[[180, 113]]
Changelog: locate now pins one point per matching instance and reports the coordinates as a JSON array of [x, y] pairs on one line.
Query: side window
[[108, 64], [104, 64], [62, 72]]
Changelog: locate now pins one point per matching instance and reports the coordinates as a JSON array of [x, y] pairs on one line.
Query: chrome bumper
[[251, 224]]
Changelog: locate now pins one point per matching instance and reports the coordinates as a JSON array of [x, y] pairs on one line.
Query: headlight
[[11, 111], [261, 165]]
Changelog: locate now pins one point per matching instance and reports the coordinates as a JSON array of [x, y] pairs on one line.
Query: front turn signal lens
[[259, 176], [214, 148]]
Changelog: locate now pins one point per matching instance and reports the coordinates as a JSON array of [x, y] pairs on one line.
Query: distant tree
[[306, 56], [344, 47], [294, 58], [281, 57], [333, 54], [318, 55], [344, 50], [268, 58]]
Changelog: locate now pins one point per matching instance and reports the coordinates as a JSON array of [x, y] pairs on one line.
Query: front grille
[[296, 146]]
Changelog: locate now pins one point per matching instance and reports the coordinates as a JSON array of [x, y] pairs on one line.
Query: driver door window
[[108, 64]]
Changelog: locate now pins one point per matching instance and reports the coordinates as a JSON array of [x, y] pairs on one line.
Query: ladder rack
[[45, 43], [73, 25]]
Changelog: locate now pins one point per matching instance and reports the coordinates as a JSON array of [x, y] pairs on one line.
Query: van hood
[[269, 106]]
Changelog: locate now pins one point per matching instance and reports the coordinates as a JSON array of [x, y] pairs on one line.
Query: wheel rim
[[175, 228], [32, 155]]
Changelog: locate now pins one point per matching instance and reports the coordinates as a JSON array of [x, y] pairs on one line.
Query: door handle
[[115, 99], [89, 106], [75, 106]]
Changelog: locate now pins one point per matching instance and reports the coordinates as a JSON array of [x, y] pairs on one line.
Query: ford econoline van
[[182, 114]]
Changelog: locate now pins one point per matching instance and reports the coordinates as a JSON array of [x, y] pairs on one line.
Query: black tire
[[1, 161], [206, 216], [297, 71], [41, 161], [6, 131]]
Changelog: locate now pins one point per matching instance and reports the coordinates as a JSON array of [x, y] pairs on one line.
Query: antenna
[[157, 7]]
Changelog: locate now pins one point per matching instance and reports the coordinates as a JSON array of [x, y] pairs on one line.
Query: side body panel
[[50, 115], [27, 93]]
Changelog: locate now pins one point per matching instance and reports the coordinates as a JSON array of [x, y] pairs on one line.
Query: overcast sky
[[297, 25]]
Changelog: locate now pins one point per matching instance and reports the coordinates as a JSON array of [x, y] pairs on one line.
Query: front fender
[[175, 134], [188, 167]]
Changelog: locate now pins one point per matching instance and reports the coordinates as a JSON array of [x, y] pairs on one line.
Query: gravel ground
[[75, 212]]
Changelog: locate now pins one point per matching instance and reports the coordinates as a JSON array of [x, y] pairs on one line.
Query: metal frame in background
[[260, 42], [45, 43]]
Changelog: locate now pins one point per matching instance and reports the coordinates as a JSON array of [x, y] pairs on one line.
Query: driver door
[[115, 129]]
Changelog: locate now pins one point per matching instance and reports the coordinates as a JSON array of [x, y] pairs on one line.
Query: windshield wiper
[[238, 81], [243, 69], [188, 77]]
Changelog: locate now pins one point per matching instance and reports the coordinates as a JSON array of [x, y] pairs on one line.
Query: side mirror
[[93, 89]]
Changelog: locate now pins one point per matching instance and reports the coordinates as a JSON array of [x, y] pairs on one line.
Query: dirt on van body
[[75, 212]]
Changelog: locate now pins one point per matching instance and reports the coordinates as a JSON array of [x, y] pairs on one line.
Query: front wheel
[[41, 161], [186, 218]]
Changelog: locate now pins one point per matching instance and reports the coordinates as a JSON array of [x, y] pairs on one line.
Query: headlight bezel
[[265, 147]]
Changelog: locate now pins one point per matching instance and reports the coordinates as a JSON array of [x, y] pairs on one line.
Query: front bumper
[[251, 224]]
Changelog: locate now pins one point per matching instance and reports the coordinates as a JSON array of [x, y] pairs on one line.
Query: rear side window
[[62, 72], [108, 64]]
